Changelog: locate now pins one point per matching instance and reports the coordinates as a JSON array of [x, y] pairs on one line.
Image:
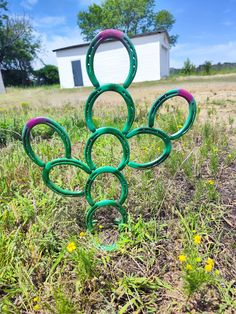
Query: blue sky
[[206, 28]]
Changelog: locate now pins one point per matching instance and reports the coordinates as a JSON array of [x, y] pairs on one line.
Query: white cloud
[[28, 4], [199, 53], [49, 21], [71, 36], [228, 23]]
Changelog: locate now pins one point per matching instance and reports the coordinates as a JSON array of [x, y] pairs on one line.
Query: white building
[[2, 88], [111, 62]]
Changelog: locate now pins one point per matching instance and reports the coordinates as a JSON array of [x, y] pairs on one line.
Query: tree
[[47, 75], [188, 67], [3, 8], [88, 21], [131, 16], [207, 65], [165, 20], [18, 46]]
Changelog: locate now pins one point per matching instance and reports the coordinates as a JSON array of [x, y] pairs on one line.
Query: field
[[176, 254]]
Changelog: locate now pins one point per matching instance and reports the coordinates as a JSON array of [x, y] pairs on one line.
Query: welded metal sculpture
[[123, 136]]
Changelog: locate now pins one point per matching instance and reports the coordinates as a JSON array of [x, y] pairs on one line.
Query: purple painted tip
[[31, 123], [185, 94], [108, 33]]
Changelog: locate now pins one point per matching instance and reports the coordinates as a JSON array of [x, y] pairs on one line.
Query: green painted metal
[[115, 88], [90, 222], [124, 136], [63, 162], [96, 135], [159, 133], [26, 134], [170, 94], [102, 170], [111, 203], [101, 37]]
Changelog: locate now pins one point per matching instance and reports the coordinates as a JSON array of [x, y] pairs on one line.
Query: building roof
[[135, 36]]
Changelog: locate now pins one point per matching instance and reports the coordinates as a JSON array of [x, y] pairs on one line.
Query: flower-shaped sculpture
[[123, 136]]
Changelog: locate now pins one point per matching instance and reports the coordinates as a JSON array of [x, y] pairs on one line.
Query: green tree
[[188, 67], [131, 16], [47, 75], [165, 20], [18, 46], [88, 21], [207, 65], [3, 9]]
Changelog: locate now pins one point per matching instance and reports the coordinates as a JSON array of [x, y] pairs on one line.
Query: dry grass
[[219, 90], [192, 192]]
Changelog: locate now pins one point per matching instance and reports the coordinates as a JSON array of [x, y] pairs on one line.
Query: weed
[[198, 271], [49, 263]]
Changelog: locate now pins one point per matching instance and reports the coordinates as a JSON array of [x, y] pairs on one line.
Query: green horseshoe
[[101, 37], [90, 221], [165, 138], [110, 87], [170, 94], [55, 126], [106, 169], [60, 162], [123, 136], [96, 135], [104, 203]]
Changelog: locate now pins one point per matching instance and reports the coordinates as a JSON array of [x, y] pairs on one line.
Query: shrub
[[47, 75]]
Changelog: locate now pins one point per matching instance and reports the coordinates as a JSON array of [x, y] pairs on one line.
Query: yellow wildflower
[[36, 299], [211, 182], [36, 307], [198, 259], [71, 247], [197, 239], [208, 267], [82, 234], [100, 226], [209, 264], [189, 267], [210, 261], [182, 258]]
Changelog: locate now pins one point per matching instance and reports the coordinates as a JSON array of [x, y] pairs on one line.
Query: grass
[[191, 193], [203, 73]]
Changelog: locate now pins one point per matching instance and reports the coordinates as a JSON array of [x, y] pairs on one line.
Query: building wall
[[2, 88], [64, 59], [164, 60], [111, 62]]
